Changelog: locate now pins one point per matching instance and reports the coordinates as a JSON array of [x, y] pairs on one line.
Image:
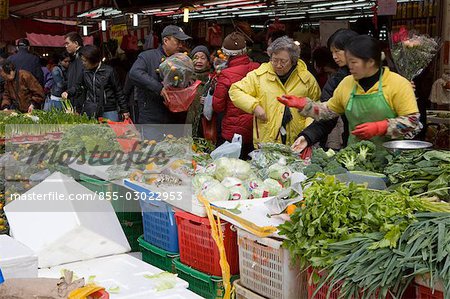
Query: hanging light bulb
[[103, 22], [186, 15], [85, 30], [135, 20]]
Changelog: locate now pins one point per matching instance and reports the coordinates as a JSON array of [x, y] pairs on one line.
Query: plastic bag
[[215, 191], [177, 71], [226, 167], [208, 106], [179, 99], [229, 150]]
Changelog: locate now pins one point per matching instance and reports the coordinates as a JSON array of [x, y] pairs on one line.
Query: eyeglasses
[[282, 62]]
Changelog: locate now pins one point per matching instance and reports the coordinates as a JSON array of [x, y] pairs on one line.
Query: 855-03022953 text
[[131, 195]]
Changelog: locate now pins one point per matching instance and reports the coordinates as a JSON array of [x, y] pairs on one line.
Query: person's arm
[[141, 77], [220, 96], [318, 129], [404, 126], [36, 90], [243, 93], [118, 92]]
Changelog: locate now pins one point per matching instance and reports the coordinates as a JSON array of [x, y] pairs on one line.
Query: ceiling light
[[135, 20], [85, 30]]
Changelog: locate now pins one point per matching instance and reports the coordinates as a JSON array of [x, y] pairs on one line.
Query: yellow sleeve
[[337, 102], [243, 93], [403, 98], [314, 90]]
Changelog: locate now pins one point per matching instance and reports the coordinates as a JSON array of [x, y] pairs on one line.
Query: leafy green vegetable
[[166, 280], [114, 290], [336, 212]]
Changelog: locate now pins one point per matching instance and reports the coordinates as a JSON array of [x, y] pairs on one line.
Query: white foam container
[[16, 259], [66, 231], [125, 272]]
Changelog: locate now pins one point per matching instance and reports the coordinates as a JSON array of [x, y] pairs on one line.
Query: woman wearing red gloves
[[378, 103]]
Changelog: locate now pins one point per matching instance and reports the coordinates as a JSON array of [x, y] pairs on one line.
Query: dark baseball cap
[[175, 31], [23, 42]]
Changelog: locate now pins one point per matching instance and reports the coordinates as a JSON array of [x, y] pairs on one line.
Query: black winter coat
[[319, 130], [101, 86], [23, 60], [74, 79], [148, 84]]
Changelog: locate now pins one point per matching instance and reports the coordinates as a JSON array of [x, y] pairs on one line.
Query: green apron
[[368, 108]]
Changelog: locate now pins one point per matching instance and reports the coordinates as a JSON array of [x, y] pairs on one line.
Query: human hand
[[30, 108], [260, 113], [371, 129], [64, 95], [293, 101], [300, 144]]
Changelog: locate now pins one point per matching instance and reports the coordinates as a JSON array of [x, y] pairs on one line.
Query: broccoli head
[[364, 149], [311, 170], [319, 157], [348, 158], [334, 168]]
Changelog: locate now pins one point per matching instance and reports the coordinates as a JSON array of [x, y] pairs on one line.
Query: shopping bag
[[229, 149], [179, 99], [210, 128], [128, 136]]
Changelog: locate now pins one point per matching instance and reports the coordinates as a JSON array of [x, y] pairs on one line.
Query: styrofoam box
[[17, 260], [126, 273], [65, 231]]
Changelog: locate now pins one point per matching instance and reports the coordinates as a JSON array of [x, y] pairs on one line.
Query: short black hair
[[8, 67], [365, 47], [340, 38], [91, 53], [75, 37], [323, 57]]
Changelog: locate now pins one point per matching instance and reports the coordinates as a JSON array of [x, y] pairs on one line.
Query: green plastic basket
[[207, 286], [156, 256], [131, 222]]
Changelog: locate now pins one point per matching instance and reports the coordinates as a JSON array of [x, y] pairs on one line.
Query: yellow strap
[[259, 231], [85, 291], [217, 234]]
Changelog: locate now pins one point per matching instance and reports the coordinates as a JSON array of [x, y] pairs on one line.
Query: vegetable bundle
[[421, 171], [336, 212]]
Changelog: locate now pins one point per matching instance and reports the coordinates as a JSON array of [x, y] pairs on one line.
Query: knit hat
[[234, 44], [202, 49]]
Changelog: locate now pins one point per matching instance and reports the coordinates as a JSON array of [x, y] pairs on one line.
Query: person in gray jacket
[[145, 76], [24, 60]]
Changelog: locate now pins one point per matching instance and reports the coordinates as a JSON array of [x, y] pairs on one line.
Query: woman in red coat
[[234, 120]]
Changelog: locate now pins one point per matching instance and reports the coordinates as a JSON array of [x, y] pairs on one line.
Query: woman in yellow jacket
[[257, 93], [380, 105]]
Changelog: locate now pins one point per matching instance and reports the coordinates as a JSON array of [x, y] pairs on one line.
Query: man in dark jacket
[[149, 89], [74, 43], [24, 60], [234, 120]]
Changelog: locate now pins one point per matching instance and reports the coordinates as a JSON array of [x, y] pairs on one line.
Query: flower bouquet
[[411, 52], [179, 87]]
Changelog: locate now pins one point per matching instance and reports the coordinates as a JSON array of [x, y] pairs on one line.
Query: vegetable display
[[421, 171], [335, 212]]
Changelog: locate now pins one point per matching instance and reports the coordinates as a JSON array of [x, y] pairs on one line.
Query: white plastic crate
[[266, 268], [16, 259], [244, 293]]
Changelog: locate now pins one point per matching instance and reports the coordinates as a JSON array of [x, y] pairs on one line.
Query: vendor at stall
[[379, 104], [257, 93]]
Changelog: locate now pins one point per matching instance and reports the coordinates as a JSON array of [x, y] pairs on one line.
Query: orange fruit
[[290, 209]]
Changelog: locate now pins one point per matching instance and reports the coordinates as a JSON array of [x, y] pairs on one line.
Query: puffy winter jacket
[[101, 85], [21, 92], [262, 87], [234, 120]]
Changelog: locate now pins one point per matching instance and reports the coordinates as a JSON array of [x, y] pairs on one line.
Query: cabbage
[[199, 180], [226, 167], [230, 182], [281, 173], [259, 192], [254, 183], [273, 186], [215, 191], [238, 192]]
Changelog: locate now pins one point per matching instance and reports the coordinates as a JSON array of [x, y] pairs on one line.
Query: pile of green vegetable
[[421, 171], [362, 272], [335, 212], [361, 156]]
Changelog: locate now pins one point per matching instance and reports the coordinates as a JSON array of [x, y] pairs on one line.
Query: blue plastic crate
[[160, 228]]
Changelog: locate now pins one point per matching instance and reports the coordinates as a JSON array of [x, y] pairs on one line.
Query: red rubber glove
[[369, 130], [293, 101]]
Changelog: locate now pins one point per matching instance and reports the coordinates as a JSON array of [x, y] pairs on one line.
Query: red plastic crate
[[424, 292], [410, 292], [197, 246]]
